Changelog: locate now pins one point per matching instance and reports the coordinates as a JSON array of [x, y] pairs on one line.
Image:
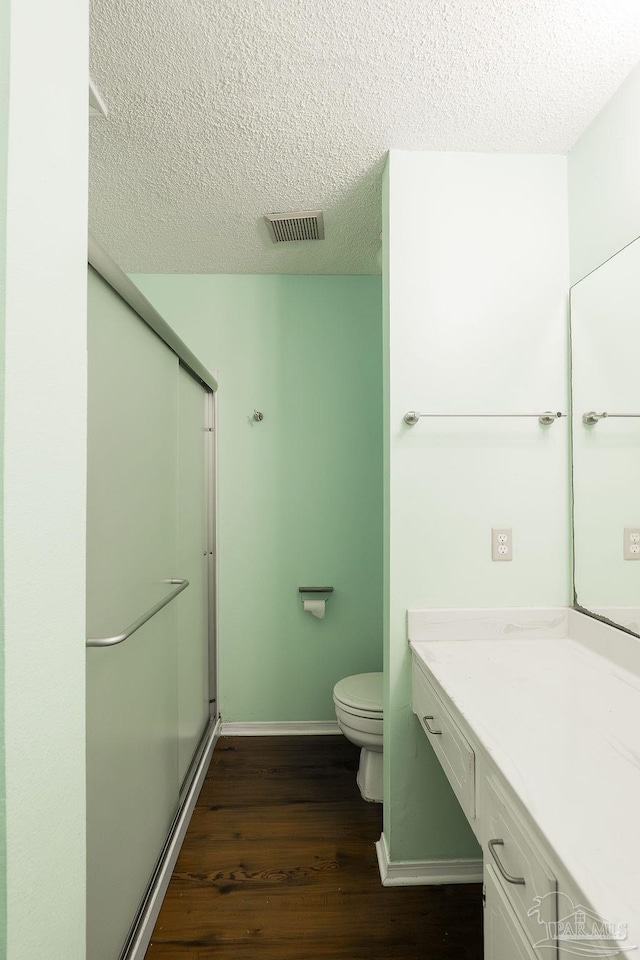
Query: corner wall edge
[[403, 873]]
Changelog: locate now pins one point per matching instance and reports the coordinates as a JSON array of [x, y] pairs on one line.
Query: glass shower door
[[132, 688], [194, 563]]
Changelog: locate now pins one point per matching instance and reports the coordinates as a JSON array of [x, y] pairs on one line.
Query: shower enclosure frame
[[139, 935]]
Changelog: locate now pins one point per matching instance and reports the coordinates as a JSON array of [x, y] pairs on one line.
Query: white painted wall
[[44, 479], [476, 287], [604, 186]]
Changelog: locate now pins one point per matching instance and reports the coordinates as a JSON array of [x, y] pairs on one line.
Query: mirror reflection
[[605, 333]]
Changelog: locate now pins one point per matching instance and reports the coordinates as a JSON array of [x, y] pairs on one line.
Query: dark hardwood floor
[[279, 864]]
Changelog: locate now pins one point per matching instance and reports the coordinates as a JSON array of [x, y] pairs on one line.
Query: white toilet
[[358, 701]]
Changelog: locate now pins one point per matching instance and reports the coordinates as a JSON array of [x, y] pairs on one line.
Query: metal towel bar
[[151, 612], [592, 417], [545, 418]]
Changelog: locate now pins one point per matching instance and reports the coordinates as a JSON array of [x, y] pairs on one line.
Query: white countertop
[[562, 725]]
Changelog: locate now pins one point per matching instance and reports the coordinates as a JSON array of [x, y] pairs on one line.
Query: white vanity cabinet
[[520, 889], [549, 785]]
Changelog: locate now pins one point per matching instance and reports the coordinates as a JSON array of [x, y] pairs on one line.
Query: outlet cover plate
[[631, 546], [501, 543]]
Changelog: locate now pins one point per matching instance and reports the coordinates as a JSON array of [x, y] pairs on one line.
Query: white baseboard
[[140, 936], [288, 728], [404, 873]]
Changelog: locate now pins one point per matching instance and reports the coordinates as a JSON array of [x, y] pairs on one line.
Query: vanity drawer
[[525, 878], [452, 749]]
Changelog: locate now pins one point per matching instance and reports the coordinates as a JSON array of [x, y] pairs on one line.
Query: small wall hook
[[258, 416]]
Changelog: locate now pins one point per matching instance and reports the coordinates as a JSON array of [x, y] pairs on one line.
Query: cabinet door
[[132, 699], [504, 938]]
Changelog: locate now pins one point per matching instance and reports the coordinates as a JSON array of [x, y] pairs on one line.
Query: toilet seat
[[359, 712], [360, 695]]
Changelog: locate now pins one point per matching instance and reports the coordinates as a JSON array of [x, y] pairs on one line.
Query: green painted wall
[[4, 131], [300, 494], [44, 479]]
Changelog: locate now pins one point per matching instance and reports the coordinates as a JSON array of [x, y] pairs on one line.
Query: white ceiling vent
[[302, 225]]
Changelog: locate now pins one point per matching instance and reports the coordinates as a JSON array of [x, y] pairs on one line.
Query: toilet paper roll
[[314, 607]]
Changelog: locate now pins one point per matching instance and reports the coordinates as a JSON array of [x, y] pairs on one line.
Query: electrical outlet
[[501, 543], [631, 546]]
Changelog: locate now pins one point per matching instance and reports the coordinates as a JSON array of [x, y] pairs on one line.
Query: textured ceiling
[[223, 110]]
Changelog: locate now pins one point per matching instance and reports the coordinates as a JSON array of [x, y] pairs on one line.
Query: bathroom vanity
[[534, 715]]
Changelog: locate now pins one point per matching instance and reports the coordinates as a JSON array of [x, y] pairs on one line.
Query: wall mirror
[[605, 335]]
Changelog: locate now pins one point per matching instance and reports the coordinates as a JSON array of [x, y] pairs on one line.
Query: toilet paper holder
[[314, 607]]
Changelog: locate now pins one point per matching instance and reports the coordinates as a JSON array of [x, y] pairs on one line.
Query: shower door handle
[[151, 612]]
